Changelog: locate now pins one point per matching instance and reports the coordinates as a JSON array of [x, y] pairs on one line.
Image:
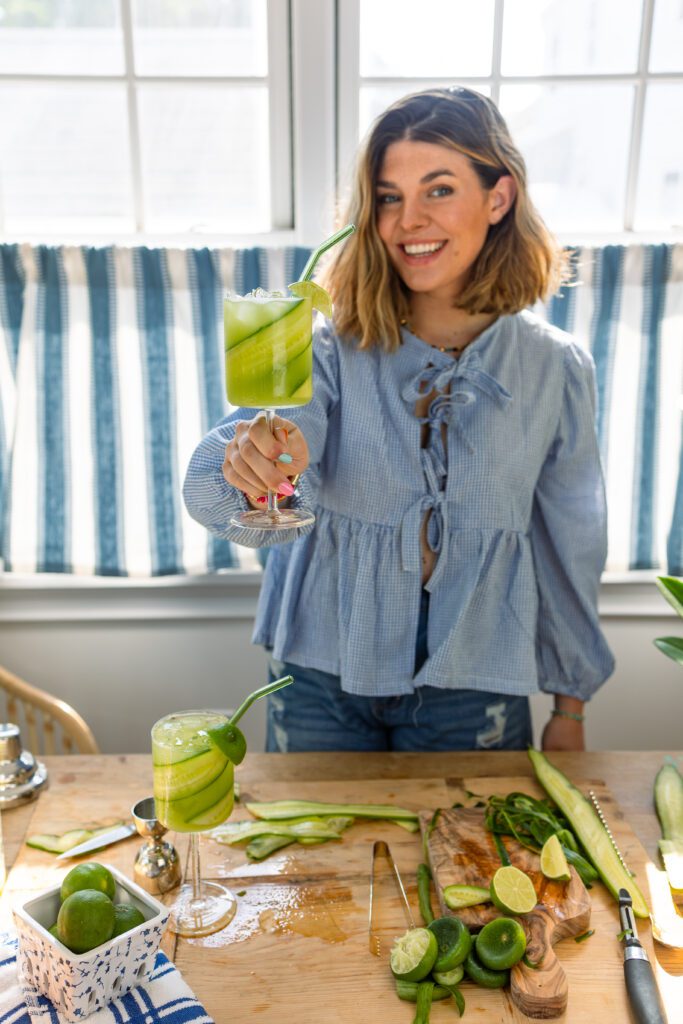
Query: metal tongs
[[381, 849]]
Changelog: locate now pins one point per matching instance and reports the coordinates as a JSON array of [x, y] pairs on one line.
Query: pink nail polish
[[285, 488]]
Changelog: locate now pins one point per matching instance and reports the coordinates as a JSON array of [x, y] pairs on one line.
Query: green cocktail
[[268, 350], [194, 792], [193, 777], [193, 756], [269, 365]]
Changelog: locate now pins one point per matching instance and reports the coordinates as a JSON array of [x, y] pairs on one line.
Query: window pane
[[666, 48], [376, 98], [575, 141], [660, 177], [205, 158], [545, 37], [205, 37], [434, 38], [80, 37], [64, 161]]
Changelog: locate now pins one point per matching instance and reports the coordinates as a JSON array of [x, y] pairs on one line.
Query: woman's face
[[433, 214]]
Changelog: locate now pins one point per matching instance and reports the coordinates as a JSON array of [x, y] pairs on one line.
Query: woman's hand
[[251, 458], [563, 734]]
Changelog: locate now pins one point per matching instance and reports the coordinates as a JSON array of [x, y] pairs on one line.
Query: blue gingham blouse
[[518, 517]]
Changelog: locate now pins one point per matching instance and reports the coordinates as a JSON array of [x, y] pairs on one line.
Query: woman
[[450, 454]]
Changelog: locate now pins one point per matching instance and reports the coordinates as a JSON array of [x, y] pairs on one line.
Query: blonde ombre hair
[[520, 261]]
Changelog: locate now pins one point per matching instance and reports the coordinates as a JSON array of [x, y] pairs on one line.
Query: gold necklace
[[441, 348]]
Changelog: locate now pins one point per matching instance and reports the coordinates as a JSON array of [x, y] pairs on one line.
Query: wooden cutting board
[[462, 852]]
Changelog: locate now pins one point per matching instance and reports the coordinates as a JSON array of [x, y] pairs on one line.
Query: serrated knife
[[641, 985], [98, 842]]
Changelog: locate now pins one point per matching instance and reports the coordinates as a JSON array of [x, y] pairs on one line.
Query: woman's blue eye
[[442, 190], [386, 198]]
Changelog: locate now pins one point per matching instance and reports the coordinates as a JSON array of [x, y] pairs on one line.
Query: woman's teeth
[[422, 248]]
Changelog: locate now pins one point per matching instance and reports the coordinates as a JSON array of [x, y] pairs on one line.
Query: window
[[144, 116], [592, 91]]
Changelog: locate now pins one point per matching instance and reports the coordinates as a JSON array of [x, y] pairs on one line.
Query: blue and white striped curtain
[[111, 369]]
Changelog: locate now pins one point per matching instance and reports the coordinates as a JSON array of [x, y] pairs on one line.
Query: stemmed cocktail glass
[[269, 365], [194, 753]]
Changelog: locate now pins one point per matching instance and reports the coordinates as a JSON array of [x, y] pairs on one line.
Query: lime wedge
[[230, 741], [321, 299], [512, 891], [553, 861], [414, 954]]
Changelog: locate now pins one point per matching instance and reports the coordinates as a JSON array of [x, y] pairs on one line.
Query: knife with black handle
[[641, 986]]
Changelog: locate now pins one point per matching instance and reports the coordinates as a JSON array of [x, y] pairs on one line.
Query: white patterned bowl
[[79, 983]]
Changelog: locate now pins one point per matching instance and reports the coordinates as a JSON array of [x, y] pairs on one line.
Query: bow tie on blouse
[[444, 408]]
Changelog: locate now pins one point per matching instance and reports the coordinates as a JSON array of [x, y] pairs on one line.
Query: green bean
[[424, 878]]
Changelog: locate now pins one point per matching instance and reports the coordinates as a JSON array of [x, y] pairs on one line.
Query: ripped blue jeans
[[316, 714]]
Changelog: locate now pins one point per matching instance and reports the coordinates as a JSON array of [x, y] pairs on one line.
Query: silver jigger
[[157, 865]]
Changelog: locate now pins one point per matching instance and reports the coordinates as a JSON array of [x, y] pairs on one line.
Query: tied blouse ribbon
[[444, 408]]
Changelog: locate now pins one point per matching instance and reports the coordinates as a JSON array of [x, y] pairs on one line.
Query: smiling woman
[[451, 455]]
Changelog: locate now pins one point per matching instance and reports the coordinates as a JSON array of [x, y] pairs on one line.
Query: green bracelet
[[574, 715]]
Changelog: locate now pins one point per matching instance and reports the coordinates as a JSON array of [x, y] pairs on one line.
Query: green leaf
[[672, 646], [672, 589]]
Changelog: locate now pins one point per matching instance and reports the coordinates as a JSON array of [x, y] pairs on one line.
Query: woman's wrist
[[575, 716], [568, 707]]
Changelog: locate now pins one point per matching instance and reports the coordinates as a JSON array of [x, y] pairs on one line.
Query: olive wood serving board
[[463, 852]]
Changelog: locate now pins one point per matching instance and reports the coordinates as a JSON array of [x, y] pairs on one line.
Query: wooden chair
[[44, 720]]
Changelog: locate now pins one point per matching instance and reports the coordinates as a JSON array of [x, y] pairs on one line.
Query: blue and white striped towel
[[163, 996]]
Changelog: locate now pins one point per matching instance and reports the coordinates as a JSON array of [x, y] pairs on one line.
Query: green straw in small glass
[[277, 684], [307, 273]]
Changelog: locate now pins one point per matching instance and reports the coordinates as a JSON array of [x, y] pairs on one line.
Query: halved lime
[[454, 942], [230, 740], [553, 861], [483, 976], [512, 891], [321, 299], [414, 954]]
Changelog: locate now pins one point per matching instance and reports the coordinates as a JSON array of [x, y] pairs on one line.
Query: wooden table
[[311, 963]]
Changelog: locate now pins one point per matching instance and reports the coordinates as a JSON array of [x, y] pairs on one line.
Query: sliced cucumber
[[299, 808], [459, 896], [67, 840], [669, 805], [589, 830], [669, 801]]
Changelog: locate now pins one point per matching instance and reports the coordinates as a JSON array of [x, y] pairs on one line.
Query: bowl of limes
[[89, 940]]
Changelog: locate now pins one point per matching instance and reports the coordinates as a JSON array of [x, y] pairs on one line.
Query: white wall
[[124, 654]]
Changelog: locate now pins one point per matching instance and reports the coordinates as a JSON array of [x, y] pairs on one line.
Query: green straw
[[307, 273], [257, 694]]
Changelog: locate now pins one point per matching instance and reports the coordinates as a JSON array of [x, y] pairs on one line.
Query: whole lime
[[89, 876], [86, 919], [501, 943], [126, 917]]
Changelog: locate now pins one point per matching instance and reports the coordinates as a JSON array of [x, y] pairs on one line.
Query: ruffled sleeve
[[212, 501], [569, 543]]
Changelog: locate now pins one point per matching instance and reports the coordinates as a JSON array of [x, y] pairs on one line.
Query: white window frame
[[350, 81], [296, 95]]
